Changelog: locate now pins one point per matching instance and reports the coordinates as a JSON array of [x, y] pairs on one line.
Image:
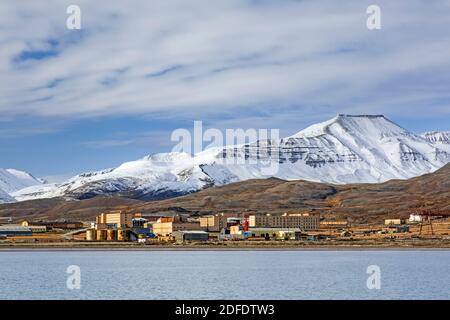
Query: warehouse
[[34, 228], [15, 231], [194, 235], [167, 228], [396, 221], [275, 233]]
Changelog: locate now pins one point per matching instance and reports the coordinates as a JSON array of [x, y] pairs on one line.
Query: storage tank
[[111, 235], [90, 234], [101, 235]]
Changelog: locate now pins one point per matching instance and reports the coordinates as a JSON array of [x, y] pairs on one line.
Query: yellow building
[[394, 221], [166, 228], [300, 221], [117, 217], [213, 222]]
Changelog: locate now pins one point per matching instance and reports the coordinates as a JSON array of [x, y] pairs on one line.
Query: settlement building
[[300, 221], [334, 224], [15, 231], [116, 219], [275, 233], [34, 228], [214, 223], [394, 221], [68, 225], [191, 235], [167, 228]]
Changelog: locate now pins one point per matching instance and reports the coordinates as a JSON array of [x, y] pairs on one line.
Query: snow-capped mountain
[[5, 197], [12, 180], [345, 149], [438, 138]]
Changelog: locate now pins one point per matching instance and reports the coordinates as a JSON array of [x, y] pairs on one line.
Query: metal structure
[[426, 217]]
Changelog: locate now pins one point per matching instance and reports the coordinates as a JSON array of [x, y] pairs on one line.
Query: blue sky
[[80, 100]]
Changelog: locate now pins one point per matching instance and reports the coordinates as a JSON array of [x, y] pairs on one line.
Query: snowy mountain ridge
[[345, 149], [436, 137], [12, 180]]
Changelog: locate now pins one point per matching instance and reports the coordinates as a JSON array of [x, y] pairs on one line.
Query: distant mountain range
[[358, 203], [346, 149]]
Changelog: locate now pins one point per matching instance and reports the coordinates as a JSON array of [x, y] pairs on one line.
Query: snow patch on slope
[[5, 197]]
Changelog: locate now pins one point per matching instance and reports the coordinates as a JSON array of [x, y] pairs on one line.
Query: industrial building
[[12, 231], [396, 221], [167, 228], [116, 219], [213, 223], [300, 221], [118, 225], [275, 233], [190, 235], [34, 228], [115, 234], [67, 225], [22, 229]]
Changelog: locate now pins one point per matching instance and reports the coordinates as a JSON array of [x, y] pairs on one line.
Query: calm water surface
[[225, 274]]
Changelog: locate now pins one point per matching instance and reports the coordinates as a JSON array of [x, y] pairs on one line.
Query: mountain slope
[[368, 149], [345, 149], [12, 180], [359, 203], [439, 139], [61, 209], [5, 197]]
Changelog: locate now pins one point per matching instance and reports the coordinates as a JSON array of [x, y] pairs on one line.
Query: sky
[[78, 100]]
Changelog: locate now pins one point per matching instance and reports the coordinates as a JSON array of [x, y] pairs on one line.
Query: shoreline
[[3, 250], [372, 246]]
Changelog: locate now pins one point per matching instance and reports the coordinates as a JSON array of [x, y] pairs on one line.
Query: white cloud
[[205, 57]]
